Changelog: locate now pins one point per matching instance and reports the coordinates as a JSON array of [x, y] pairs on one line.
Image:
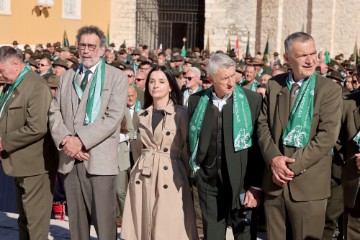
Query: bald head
[[132, 95]]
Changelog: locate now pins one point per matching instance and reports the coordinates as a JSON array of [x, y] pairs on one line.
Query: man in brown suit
[[297, 180], [350, 176], [25, 143]]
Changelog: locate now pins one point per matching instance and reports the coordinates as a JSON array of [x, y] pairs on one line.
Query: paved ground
[[59, 230]]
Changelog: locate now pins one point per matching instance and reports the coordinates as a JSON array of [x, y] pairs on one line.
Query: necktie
[[85, 80], [293, 94]]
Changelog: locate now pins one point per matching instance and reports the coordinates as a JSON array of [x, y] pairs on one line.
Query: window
[[71, 9], [5, 7]]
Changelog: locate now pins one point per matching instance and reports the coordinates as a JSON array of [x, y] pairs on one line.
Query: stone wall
[[225, 19], [123, 22], [333, 23]]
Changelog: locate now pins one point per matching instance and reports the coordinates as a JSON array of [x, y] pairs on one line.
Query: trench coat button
[[166, 149], [167, 133], [165, 167], [165, 186], [137, 182]]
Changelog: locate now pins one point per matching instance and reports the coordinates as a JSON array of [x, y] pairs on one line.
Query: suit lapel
[[206, 129], [11, 99], [81, 110], [74, 96], [228, 121], [357, 118], [135, 120], [283, 103]]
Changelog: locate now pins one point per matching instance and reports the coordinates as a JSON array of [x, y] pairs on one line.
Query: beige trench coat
[[158, 204]]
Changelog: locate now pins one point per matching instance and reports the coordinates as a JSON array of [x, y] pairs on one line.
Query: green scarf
[[357, 139], [94, 98], [4, 97], [242, 123], [137, 106], [253, 86], [297, 132]]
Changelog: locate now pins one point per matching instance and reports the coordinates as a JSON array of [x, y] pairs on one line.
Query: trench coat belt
[[147, 158]]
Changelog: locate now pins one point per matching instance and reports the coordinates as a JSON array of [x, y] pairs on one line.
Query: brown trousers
[[34, 200], [307, 219]]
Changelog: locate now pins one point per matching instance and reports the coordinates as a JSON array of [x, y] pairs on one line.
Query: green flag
[[355, 54], [207, 47], [65, 40], [228, 49], [266, 51], [108, 35], [183, 50], [248, 55], [327, 57]]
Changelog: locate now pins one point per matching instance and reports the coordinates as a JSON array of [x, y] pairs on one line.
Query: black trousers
[[216, 204]]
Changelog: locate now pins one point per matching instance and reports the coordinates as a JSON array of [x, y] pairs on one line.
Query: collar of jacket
[[169, 109]]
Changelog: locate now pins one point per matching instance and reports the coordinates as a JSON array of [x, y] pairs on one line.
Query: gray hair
[[91, 30], [218, 60], [296, 36], [7, 53], [195, 70]]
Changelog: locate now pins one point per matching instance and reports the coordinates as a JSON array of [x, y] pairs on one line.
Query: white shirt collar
[[291, 80], [92, 69], [219, 102]]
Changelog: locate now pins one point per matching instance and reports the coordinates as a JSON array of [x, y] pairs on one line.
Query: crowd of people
[[168, 145]]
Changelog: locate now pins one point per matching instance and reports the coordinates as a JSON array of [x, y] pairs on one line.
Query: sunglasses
[[139, 79], [130, 75], [350, 72], [354, 81], [189, 78], [42, 65], [205, 81]]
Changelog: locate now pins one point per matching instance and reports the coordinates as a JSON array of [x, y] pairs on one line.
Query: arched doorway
[[167, 22]]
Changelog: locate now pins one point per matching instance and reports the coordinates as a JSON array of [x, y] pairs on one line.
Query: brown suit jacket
[[350, 176], [135, 145], [24, 129], [312, 165]]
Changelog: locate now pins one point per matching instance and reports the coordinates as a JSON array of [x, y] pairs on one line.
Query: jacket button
[[165, 186], [137, 182], [167, 133], [166, 149], [165, 167]]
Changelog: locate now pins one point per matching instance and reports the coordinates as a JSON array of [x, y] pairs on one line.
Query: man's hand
[[252, 198], [180, 82], [82, 155], [357, 161], [71, 145], [281, 172]]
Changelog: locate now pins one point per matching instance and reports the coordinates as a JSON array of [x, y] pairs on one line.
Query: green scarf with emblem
[[94, 97], [297, 132], [242, 123]]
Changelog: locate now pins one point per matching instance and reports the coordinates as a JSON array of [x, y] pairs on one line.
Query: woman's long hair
[[175, 94]]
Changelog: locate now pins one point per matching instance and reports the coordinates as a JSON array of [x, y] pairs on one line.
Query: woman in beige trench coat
[[158, 204]]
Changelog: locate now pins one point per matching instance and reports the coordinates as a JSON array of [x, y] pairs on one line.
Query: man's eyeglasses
[[205, 81], [354, 81], [139, 79], [91, 47], [130, 75], [42, 65], [189, 78]]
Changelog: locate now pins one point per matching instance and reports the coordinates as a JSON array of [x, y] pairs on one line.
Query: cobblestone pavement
[[59, 230]]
